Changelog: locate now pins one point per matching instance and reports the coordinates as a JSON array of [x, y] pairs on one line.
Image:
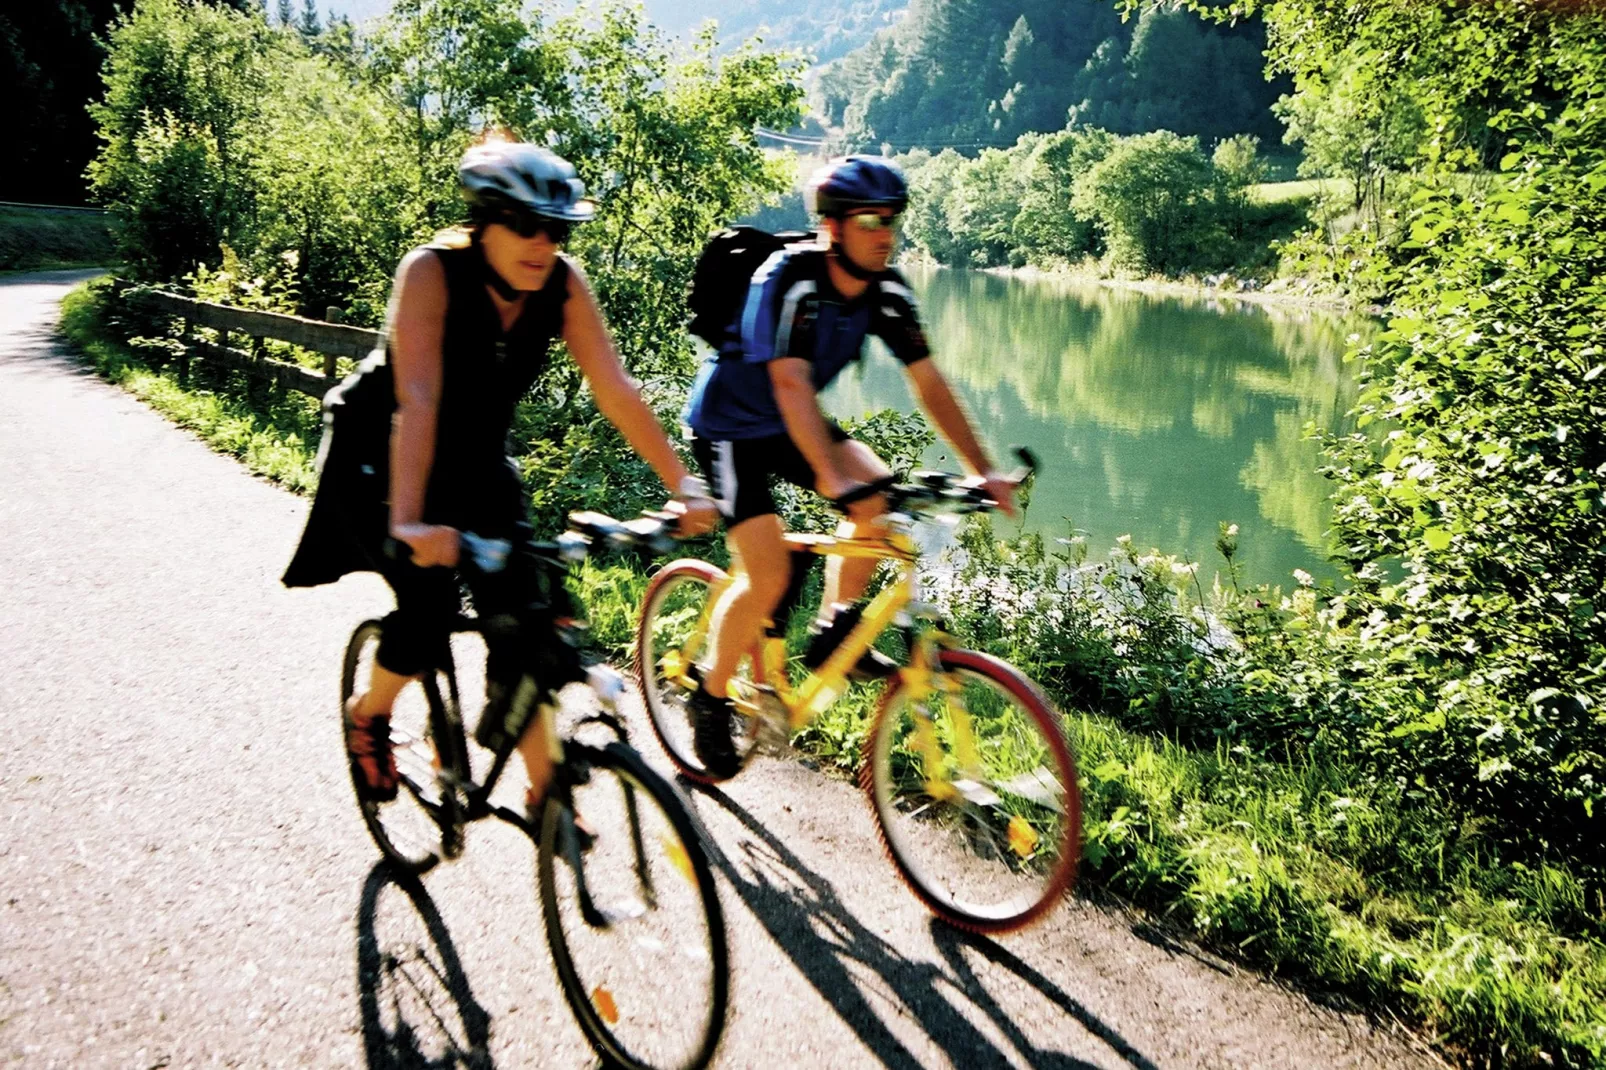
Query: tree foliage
[[279, 162], [976, 73], [1466, 657], [1146, 203]]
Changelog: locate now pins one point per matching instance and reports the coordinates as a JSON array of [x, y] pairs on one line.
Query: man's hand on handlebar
[[1000, 489], [432, 544]]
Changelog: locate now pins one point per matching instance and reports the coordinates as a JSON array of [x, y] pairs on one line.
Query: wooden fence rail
[[333, 340]]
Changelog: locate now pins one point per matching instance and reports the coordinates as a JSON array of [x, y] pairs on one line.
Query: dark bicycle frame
[[463, 801]]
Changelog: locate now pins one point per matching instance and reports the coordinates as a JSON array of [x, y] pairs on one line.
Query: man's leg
[[762, 567], [847, 577]]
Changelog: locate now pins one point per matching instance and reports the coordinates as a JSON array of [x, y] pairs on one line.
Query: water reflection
[[1155, 416]]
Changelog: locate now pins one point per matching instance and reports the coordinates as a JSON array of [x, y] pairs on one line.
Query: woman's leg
[[411, 642]]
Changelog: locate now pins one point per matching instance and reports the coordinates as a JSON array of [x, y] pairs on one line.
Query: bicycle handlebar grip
[[863, 491]]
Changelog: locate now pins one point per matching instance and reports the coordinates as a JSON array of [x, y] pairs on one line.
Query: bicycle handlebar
[[652, 531], [954, 493]]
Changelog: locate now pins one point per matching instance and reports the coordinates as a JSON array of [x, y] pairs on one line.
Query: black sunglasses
[[528, 225]]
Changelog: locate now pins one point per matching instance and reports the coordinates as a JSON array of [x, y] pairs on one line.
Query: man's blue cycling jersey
[[793, 310]]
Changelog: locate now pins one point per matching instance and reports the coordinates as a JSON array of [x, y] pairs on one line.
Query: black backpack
[[724, 269]]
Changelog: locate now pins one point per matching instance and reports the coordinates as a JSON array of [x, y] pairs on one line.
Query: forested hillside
[[825, 29], [982, 72]]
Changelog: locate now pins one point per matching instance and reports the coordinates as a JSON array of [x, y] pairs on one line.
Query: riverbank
[[1289, 858], [1226, 287]]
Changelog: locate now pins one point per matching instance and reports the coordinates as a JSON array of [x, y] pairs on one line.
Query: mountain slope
[[978, 72], [825, 29]]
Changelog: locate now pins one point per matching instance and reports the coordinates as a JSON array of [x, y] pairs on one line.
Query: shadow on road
[[838, 954], [951, 943], [418, 1011]]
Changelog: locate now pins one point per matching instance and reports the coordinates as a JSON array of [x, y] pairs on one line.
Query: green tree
[[50, 61], [1048, 227], [184, 85], [932, 180], [1238, 168], [1150, 197], [1353, 125], [1465, 658]]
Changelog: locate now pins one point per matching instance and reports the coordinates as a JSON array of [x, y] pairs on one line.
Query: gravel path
[[186, 882]]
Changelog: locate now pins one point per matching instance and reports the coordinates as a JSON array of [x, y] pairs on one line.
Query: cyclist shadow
[[806, 918], [418, 1011]]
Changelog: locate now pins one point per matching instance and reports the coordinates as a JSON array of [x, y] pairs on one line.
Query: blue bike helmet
[[850, 182]]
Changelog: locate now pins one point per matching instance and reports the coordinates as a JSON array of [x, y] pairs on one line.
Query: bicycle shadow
[[418, 1011], [951, 943], [808, 920]]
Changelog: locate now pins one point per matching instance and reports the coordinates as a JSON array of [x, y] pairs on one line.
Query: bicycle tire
[[955, 852], [412, 834], [663, 955], [662, 621]]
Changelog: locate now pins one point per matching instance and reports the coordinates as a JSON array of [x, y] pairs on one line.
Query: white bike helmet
[[501, 175]]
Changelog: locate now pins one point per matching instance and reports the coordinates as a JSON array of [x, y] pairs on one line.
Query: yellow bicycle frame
[[814, 694]]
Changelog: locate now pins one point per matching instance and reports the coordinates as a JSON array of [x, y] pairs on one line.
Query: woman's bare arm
[[619, 399], [417, 327]]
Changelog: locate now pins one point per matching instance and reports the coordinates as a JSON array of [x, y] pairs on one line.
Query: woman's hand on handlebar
[[432, 544], [694, 515]]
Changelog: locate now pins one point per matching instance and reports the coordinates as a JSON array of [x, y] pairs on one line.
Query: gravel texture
[[187, 883]]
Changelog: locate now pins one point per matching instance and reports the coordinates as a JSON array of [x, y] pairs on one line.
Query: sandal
[[368, 746]]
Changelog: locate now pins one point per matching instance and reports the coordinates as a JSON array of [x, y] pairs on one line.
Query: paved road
[[186, 882]]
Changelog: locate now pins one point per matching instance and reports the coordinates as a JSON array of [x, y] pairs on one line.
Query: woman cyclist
[[414, 447]]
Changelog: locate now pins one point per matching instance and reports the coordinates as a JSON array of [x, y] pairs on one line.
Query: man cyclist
[[754, 414], [415, 448]]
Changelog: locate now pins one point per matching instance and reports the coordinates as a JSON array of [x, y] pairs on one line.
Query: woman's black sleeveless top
[[473, 485]]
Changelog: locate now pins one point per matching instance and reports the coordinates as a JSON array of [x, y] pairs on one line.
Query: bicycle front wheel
[[409, 828], [632, 914], [672, 641], [974, 790]]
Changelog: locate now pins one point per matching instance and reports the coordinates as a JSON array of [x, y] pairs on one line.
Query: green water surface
[[1157, 417]]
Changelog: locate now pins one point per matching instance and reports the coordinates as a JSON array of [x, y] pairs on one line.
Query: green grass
[[1276, 192], [31, 239], [1311, 871]]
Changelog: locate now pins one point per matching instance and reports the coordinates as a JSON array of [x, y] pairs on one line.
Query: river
[[1158, 417]]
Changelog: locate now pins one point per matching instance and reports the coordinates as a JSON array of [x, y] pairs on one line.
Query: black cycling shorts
[[740, 471]]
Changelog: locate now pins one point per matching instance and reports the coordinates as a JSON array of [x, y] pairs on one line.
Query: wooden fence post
[[184, 351], [330, 361]]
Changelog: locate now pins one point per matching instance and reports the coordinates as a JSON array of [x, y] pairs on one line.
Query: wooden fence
[[333, 340]]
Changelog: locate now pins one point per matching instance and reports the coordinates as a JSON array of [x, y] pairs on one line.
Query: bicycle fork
[[925, 681], [608, 685]]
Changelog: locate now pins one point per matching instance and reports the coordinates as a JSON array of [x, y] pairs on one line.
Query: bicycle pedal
[[773, 719]]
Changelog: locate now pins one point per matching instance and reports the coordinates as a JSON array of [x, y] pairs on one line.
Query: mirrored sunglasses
[[528, 225], [871, 222]]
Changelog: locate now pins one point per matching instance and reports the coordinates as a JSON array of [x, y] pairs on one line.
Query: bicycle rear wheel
[[669, 647], [648, 973], [408, 829], [974, 791]]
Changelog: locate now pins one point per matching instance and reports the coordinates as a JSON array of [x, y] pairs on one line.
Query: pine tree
[[287, 16], [310, 26]]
